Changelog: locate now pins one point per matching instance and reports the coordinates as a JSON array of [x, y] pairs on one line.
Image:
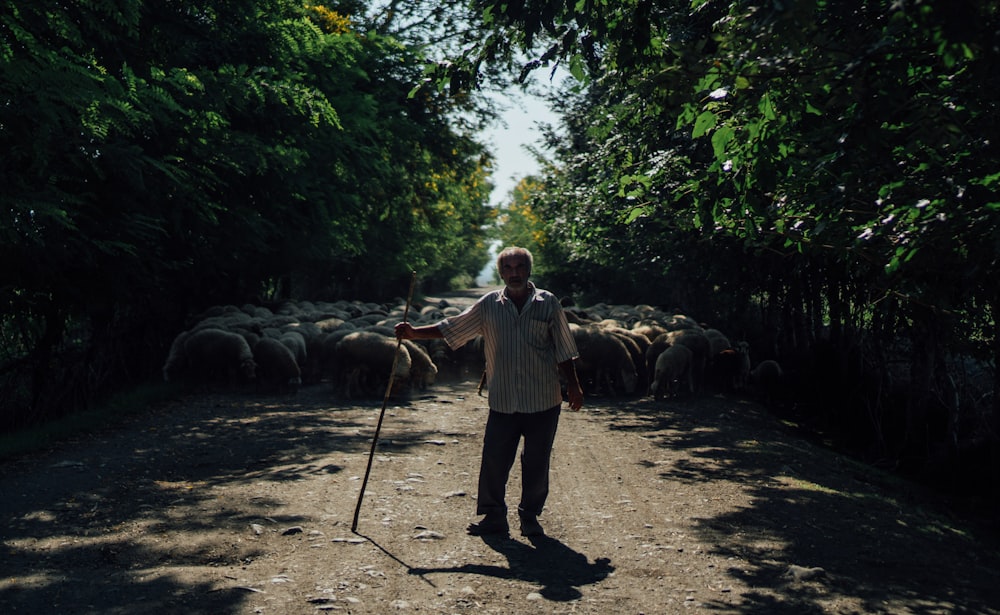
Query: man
[[527, 343]]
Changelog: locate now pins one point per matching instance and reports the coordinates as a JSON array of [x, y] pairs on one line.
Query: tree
[[165, 156], [832, 160]]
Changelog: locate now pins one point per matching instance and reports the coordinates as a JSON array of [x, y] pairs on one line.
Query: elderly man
[[528, 344]]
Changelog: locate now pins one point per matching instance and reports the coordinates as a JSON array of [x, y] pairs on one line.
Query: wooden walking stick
[[381, 415]]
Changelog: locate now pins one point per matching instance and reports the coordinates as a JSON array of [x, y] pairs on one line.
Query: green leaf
[[766, 106], [705, 122], [635, 214], [577, 68], [720, 139]]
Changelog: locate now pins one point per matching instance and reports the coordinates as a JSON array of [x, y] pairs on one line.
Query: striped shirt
[[523, 349]]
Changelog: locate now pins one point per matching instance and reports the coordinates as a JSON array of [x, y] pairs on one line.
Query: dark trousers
[[503, 433]]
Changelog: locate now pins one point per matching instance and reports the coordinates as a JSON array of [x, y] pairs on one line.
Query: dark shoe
[[491, 524], [530, 526]]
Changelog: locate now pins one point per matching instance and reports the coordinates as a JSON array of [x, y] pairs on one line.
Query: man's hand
[[573, 389], [575, 394], [404, 331]]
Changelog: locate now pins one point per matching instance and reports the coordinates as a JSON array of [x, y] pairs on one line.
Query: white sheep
[[277, 368], [700, 347], [672, 372]]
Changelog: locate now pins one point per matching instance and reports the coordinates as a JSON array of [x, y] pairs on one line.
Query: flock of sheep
[[624, 350], [629, 350]]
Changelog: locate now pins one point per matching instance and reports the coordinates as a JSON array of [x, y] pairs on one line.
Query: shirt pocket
[[536, 333]]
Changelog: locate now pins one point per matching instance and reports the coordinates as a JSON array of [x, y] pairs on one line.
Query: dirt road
[[242, 504]]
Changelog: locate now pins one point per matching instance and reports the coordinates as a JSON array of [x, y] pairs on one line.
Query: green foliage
[[818, 175], [163, 157]]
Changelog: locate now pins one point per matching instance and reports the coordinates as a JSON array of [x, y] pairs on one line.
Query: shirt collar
[[503, 298]]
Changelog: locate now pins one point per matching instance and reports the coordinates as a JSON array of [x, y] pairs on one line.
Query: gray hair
[[514, 251]]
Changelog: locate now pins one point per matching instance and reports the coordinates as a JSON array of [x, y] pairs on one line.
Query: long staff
[[381, 415]]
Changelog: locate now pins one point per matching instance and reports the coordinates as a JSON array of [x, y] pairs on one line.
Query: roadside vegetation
[[819, 177]]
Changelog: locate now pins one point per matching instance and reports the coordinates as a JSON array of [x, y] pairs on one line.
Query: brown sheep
[[364, 362], [637, 344], [423, 371], [605, 364]]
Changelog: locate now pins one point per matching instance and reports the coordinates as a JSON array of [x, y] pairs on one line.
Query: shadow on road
[[547, 562]]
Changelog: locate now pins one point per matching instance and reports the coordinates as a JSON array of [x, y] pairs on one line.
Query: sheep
[[700, 347], [277, 368], [296, 342], [287, 308], [725, 371], [272, 332], [324, 363], [216, 355], [176, 360], [251, 337], [650, 328], [280, 320], [653, 350], [672, 372], [330, 324], [431, 313], [313, 371], [457, 364], [364, 360], [718, 341], [636, 344], [680, 322], [306, 329], [257, 311], [576, 318], [742, 374], [604, 364], [367, 320], [224, 322], [766, 379], [423, 371]]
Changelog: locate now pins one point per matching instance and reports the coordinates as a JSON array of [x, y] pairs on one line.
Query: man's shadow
[[558, 569]]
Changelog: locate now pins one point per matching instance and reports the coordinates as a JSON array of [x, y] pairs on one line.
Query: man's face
[[514, 272]]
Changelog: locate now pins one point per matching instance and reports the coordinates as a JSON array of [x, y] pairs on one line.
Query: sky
[[507, 141]]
